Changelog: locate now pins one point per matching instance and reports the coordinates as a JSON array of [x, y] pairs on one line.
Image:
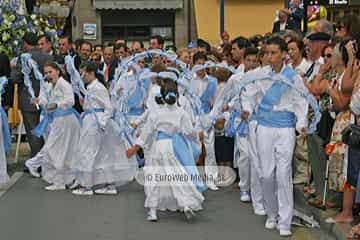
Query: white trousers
[[257, 198], [211, 169], [243, 163], [275, 149]]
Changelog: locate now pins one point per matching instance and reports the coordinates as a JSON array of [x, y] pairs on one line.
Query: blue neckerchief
[[265, 114], [208, 94], [184, 153], [135, 100], [48, 118], [5, 130]]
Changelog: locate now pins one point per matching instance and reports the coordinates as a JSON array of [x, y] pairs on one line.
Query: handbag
[[351, 136]]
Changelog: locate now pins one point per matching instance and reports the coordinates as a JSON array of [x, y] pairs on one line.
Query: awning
[[138, 4]]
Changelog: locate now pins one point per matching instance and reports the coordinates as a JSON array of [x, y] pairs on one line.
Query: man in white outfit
[[281, 110]]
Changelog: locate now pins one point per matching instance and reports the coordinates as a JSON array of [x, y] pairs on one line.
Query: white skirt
[[101, 156], [4, 177], [59, 150], [174, 196]]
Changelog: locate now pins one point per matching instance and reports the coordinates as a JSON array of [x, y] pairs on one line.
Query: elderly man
[[284, 23]]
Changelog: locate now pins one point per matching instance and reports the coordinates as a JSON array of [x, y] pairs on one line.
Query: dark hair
[[67, 37], [169, 86], [47, 37], [159, 39], [158, 68], [89, 67], [119, 46], [203, 44], [30, 38], [241, 42], [55, 66], [78, 42], [86, 43], [251, 51], [256, 39], [198, 56], [300, 44], [352, 24], [277, 41]]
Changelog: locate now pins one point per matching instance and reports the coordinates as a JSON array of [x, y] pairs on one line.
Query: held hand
[[356, 66], [245, 115], [81, 100], [225, 108], [201, 136], [304, 131], [350, 51], [131, 152], [324, 86], [35, 101], [120, 91]]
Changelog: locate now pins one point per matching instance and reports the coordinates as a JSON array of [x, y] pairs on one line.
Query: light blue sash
[[89, 111], [185, 155], [242, 130], [5, 130], [48, 118], [208, 94], [135, 100], [265, 114]]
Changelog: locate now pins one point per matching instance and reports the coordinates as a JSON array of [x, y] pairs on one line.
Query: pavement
[[29, 212]]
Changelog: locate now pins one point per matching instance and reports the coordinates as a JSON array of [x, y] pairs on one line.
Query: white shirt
[[290, 101], [317, 65], [61, 93], [99, 98], [282, 26], [169, 119], [302, 67]]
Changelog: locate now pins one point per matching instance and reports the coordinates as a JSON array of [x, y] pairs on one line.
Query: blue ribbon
[[184, 154], [265, 114], [5, 130], [48, 118], [208, 94]]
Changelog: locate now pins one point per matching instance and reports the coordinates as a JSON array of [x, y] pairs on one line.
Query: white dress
[[169, 119], [59, 151], [101, 155]]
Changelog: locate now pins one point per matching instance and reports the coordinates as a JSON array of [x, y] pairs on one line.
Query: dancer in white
[[61, 122], [165, 133], [101, 153], [280, 111]]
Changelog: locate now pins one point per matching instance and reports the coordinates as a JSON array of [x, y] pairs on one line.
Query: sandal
[[318, 203]]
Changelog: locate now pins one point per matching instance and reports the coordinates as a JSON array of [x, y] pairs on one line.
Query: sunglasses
[[329, 55]]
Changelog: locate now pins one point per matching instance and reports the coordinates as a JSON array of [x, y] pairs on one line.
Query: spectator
[[184, 55], [238, 46], [283, 23], [156, 42], [137, 47], [85, 51], [295, 13], [44, 44]]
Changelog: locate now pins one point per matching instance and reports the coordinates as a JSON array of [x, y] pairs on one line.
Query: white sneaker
[[108, 190], [260, 212], [212, 186], [285, 233], [54, 187], [189, 213], [245, 196], [74, 185], [33, 172], [270, 223], [152, 215], [83, 192]]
